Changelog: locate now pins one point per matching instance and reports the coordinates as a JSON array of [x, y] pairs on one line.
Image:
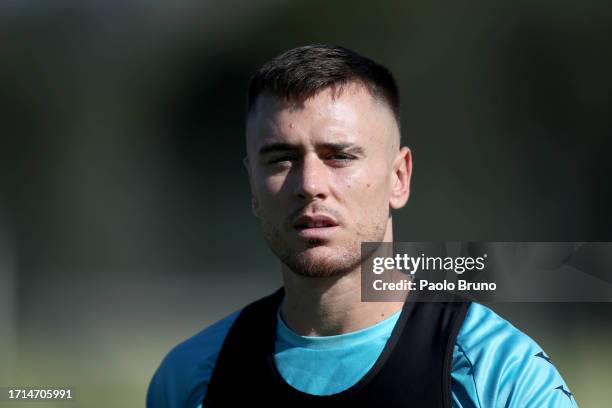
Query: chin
[[322, 261]]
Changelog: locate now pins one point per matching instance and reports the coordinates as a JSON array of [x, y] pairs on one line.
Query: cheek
[[272, 185], [367, 193], [268, 193], [268, 187]]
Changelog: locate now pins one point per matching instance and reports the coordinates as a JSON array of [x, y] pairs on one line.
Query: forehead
[[347, 114]]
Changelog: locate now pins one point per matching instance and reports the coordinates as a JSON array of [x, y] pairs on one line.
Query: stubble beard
[[311, 262]]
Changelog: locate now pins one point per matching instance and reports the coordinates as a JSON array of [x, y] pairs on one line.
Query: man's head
[[324, 157]]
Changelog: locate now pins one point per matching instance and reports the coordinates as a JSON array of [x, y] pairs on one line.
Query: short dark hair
[[301, 72]]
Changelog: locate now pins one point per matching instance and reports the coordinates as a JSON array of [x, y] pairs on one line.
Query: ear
[[254, 206], [402, 172], [254, 203], [245, 162]]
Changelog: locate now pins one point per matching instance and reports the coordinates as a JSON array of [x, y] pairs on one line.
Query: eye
[[341, 158], [281, 159]]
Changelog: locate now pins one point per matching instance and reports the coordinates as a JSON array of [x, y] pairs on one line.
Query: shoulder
[[182, 377], [496, 364]]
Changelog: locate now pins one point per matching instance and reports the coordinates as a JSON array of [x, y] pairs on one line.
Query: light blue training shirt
[[494, 364]]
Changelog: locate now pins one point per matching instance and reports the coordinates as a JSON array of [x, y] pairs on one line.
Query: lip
[[315, 226]]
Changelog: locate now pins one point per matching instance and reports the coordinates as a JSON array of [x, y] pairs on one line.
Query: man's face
[[323, 175]]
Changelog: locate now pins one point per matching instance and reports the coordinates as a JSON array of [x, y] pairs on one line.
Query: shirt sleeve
[[181, 379], [497, 365]]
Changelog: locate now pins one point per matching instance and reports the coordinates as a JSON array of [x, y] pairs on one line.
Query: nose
[[311, 179]]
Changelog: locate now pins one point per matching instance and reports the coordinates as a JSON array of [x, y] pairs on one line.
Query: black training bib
[[413, 370]]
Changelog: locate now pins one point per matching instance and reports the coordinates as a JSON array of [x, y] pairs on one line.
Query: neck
[[331, 305]]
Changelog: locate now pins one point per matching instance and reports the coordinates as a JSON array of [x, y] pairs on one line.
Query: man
[[326, 169]]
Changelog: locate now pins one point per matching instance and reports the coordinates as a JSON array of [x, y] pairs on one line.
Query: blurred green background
[[125, 222]]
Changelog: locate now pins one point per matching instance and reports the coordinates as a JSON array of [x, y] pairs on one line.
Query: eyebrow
[[342, 146], [277, 147], [284, 147]]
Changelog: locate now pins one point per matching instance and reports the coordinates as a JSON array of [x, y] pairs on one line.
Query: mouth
[[315, 226]]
